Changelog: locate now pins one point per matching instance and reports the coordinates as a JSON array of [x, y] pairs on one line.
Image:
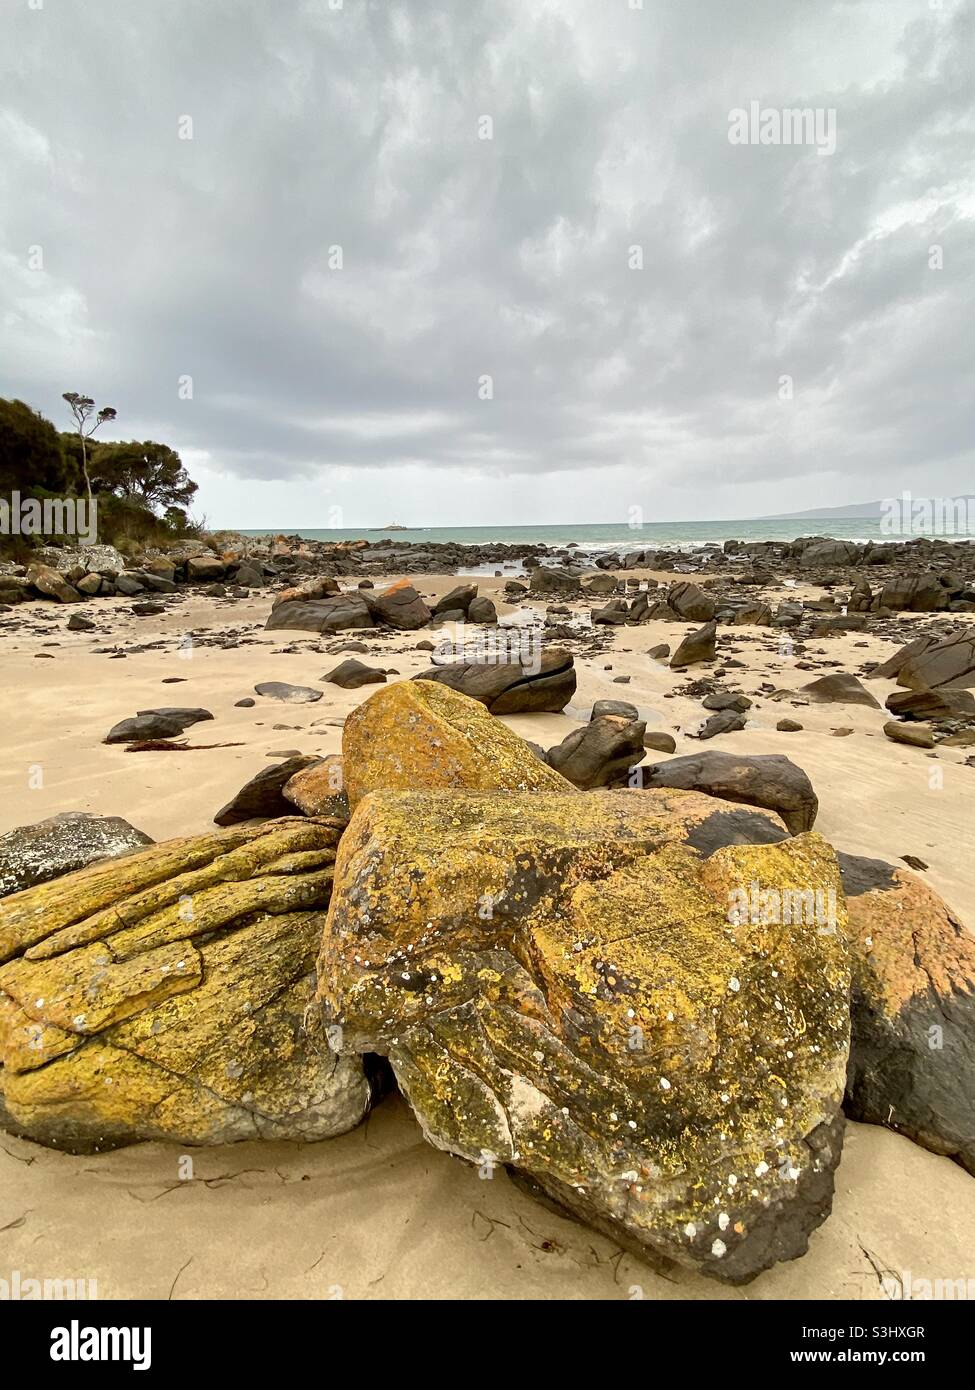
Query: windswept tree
[[148, 473], [82, 408]]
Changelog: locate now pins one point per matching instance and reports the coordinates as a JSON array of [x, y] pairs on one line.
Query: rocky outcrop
[[559, 988], [162, 996], [419, 734], [948, 663], [768, 780], [912, 1054], [512, 687], [688, 601]]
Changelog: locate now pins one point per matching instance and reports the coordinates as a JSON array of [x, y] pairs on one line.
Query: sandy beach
[[378, 1213]]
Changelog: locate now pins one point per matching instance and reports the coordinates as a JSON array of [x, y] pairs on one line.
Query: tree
[[149, 473], [81, 408], [30, 450]]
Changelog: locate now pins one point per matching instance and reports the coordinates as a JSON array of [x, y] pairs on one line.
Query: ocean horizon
[[682, 535]]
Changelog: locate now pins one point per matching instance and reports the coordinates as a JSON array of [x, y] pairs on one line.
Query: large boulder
[[51, 584], [829, 553], [603, 753], [335, 614], [512, 687], [699, 645], [769, 780], [418, 734], [943, 702], [838, 688], [458, 599], [561, 986], [916, 593], [550, 579], [949, 663], [204, 569], [162, 996], [688, 601], [912, 1053], [399, 606], [34, 854]]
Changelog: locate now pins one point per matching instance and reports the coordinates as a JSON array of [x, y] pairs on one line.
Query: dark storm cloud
[[315, 127]]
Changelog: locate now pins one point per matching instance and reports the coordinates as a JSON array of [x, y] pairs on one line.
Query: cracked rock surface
[[163, 995], [559, 988]]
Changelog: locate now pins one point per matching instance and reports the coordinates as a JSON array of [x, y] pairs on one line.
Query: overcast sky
[[360, 388]]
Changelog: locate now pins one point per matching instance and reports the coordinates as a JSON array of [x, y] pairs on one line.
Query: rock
[[660, 652], [659, 742], [547, 579], [49, 582], [422, 734], [620, 707], [556, 984], [351, 674], [727, 699], [34, 854], [755, 614], [838, 688], [482, 610], [916, 593], [186, 718], [688, 601], [262, 795], [245, 703], [696, 646], [601, 584], [204, 568], [129, 586], [788, 726], [162, 996], [768, 780], [614, 613], [310, 590], [828, 554], [289, 694], [726, 721], [460, 599], [545, 684], [76, 623], [941, 703], [319, 789], [143, 726], [400, 606], [890, 669], [919, 735], [912, 1053], [603, 753], [949, 663], [250, 576], [335, 614]]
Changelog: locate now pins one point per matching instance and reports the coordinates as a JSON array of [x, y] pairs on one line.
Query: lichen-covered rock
[[162, 996], [912, 1053], [417, 734], [400, 606], [37, 853], [319, 788], [561, 986]]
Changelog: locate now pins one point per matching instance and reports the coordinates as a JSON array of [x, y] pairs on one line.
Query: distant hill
[[856, 511]]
